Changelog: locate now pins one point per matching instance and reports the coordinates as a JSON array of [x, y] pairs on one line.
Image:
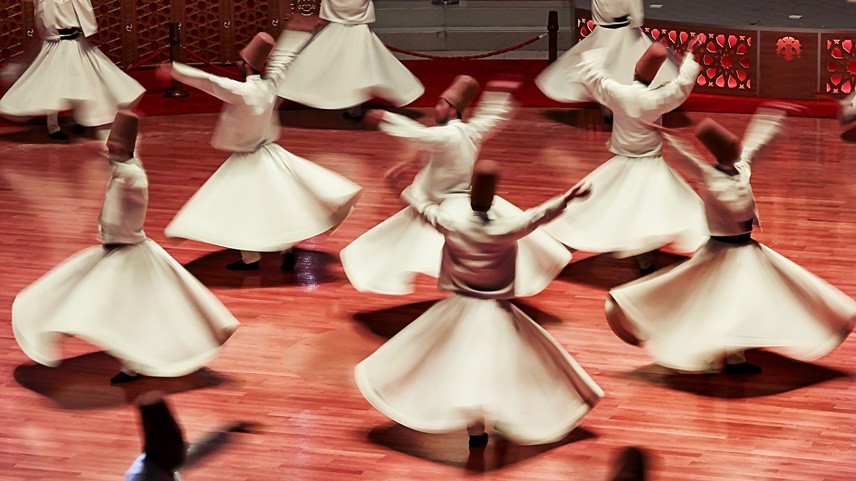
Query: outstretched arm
[[289, 44], [637, 13], [225, 89], [422, 136], [764, 126], [494, 108], [85, 17], [671, 95], [602, 89], [523, 224], [429, 211]]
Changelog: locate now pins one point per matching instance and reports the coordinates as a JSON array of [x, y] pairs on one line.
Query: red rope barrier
[[147, 59], [206, 62], [468, 57]]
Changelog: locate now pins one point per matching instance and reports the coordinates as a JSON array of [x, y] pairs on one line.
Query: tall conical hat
[[485, 179], [462, 91], [123, 132], [651, 61], [256, 52], [162, 439], [724, 145]]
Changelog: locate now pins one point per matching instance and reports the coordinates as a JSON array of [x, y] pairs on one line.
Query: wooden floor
[[288, 369]]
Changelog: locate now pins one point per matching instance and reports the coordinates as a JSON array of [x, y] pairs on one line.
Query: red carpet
[[436, 76]]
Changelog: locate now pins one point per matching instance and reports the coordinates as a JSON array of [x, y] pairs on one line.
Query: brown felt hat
[[485, 179], [462, 91], [724, 145], [258, 50], [651, 61], [123, 133]]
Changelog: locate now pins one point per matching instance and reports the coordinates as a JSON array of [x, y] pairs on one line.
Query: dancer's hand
[[164, 73], [373, 118], [579, 191], [509, 86], [694, 45]]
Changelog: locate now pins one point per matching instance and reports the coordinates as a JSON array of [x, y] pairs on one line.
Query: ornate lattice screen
[[130, 30]]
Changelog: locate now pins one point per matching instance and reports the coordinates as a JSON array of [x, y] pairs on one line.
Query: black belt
[[619, 22], [110, 247], [733, 239], [70, 33]]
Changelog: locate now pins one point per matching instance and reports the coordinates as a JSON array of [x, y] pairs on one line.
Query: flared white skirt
[[622, 48], [71, 75], [135, 302], [345, 66], [637, 205], [386, 259], [265, 201], [470, 361], [731, 297]]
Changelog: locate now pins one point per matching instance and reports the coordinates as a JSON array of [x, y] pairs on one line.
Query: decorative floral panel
[[838, 63]]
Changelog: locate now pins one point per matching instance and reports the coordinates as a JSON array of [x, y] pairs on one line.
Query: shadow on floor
[[780, 375], [452, 450], [605, 271], [311, 269], [83, 382], [389, 322]]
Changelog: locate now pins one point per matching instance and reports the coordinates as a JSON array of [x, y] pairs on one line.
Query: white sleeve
[[289, 44], [429, 138], [86, 17], [669, 96], [637, 13], [225, 89], [764, 126], [687, 155], [602, 89], [494, 108]]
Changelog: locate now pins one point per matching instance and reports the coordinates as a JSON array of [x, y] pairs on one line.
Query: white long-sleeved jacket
[[449, 151], [124, 210], [636, 105]]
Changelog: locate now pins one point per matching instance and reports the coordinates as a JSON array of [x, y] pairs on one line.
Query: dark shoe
[[241, 266], [289, 260], [742, 368], [123, 377], [78, 129], [59, 136], [644, 271], [354, 114], [478, 440]]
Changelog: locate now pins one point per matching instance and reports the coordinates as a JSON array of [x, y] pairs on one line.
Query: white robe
[[731, 297], [474, 358], [133, 300], [623, 46], [386, 259], [70, 74], [638, 203], [263, 198], [346, 64]]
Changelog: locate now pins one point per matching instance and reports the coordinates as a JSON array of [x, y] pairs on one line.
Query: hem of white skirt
[[264, 246], [541, 282], [326, 103], [405, 287], [574, 417]]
